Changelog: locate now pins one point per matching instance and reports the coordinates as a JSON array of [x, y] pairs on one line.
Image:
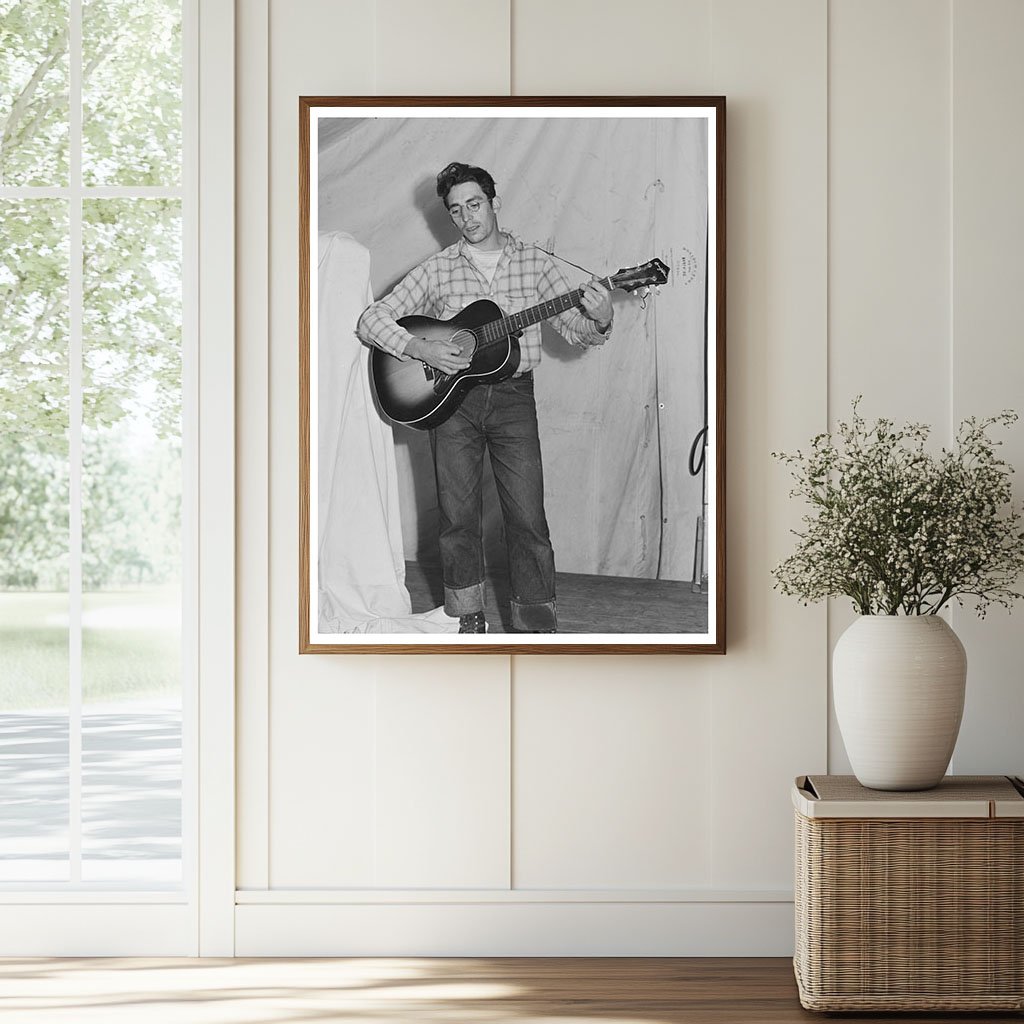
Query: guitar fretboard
[[498, 330]]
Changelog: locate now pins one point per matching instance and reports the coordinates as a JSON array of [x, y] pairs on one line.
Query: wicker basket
[[910, 901]]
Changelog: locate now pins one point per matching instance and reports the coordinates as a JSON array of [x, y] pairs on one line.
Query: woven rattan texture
[[914, 914], [959, 787]]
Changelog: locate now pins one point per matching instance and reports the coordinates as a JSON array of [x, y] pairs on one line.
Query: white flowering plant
[[900, 530]]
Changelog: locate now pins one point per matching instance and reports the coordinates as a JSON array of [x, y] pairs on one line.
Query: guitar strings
[[492, 331]]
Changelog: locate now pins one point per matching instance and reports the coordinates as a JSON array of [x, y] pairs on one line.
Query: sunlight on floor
[[146, 991]]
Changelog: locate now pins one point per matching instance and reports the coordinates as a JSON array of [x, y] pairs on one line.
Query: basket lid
[[957, 796]]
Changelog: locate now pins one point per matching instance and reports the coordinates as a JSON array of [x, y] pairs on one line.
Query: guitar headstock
[[648, 275]]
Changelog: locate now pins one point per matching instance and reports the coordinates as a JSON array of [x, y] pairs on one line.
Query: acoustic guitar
[[417, 395]]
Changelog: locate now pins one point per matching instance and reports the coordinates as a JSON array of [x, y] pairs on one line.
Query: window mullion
[[75, 336]]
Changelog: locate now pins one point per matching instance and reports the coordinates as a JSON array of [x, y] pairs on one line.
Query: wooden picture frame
[[633, 443]]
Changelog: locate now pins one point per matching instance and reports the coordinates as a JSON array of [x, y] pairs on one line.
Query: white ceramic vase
[[898, 685]]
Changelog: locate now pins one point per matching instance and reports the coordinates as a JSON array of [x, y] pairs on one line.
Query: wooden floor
[[415, 991], [586, 604]]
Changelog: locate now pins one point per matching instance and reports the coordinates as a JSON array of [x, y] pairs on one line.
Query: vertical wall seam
[[375, 782], [511, 50], [376, 49], [828, 340], [511, 660], [510, 712], [950, 241], [710, 784], [951, 152], [265, 681], [711, 44], [252, 394]]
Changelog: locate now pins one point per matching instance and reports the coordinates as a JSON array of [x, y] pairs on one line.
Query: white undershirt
[[486, 261]]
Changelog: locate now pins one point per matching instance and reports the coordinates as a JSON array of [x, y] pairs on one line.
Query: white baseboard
[[96, 929], [513, 928]]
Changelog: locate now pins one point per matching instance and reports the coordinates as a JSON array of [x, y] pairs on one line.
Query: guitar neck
[[496, 330]]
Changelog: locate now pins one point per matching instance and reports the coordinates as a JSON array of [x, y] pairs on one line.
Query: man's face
[[474, 215]]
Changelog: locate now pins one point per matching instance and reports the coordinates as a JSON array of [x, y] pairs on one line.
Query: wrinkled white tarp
[[360, 557], [616, 422]]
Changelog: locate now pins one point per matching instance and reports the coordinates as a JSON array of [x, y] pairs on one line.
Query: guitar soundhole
[[466, 341]]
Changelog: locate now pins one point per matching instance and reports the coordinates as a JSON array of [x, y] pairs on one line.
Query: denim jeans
[[501, 420]]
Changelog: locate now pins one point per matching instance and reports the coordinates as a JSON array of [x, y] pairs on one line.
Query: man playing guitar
[[497, 418]]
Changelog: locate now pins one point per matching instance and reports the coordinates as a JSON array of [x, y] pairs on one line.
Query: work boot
[[474, 622]]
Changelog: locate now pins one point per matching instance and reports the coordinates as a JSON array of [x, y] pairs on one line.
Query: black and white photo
[[512, 375]]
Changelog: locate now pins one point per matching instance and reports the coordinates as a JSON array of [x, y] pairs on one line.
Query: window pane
[[34, 92], [34, 805], [131, 92], [33, 540], [131, 541], [131, 766]]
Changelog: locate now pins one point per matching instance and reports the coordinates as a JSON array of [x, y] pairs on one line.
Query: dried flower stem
[[897, 529]]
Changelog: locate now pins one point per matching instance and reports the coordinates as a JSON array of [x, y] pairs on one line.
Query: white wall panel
[[320, 759], [607, 48], [252, 191], [442, 48], [768, 693], [889, 209], [323, 779], [612, 774], [319, 48], [988, 327], [442, 798]]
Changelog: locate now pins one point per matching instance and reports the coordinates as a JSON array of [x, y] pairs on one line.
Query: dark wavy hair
[[458, 174]]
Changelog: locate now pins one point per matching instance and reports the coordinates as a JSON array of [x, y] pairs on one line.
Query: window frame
[[75, 918]]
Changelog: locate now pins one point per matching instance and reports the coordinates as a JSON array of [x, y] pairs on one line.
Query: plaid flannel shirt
[[449, 281]]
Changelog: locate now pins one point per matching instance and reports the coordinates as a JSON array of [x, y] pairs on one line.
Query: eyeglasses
[[470, 206]]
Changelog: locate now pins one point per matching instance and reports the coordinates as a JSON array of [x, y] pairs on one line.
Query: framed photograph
[[512, 375]]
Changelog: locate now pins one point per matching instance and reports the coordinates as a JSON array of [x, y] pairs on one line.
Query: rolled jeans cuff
[[533, 617], [463, 600]]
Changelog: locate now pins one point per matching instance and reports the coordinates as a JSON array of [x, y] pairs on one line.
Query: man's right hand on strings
[[445, 356]]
